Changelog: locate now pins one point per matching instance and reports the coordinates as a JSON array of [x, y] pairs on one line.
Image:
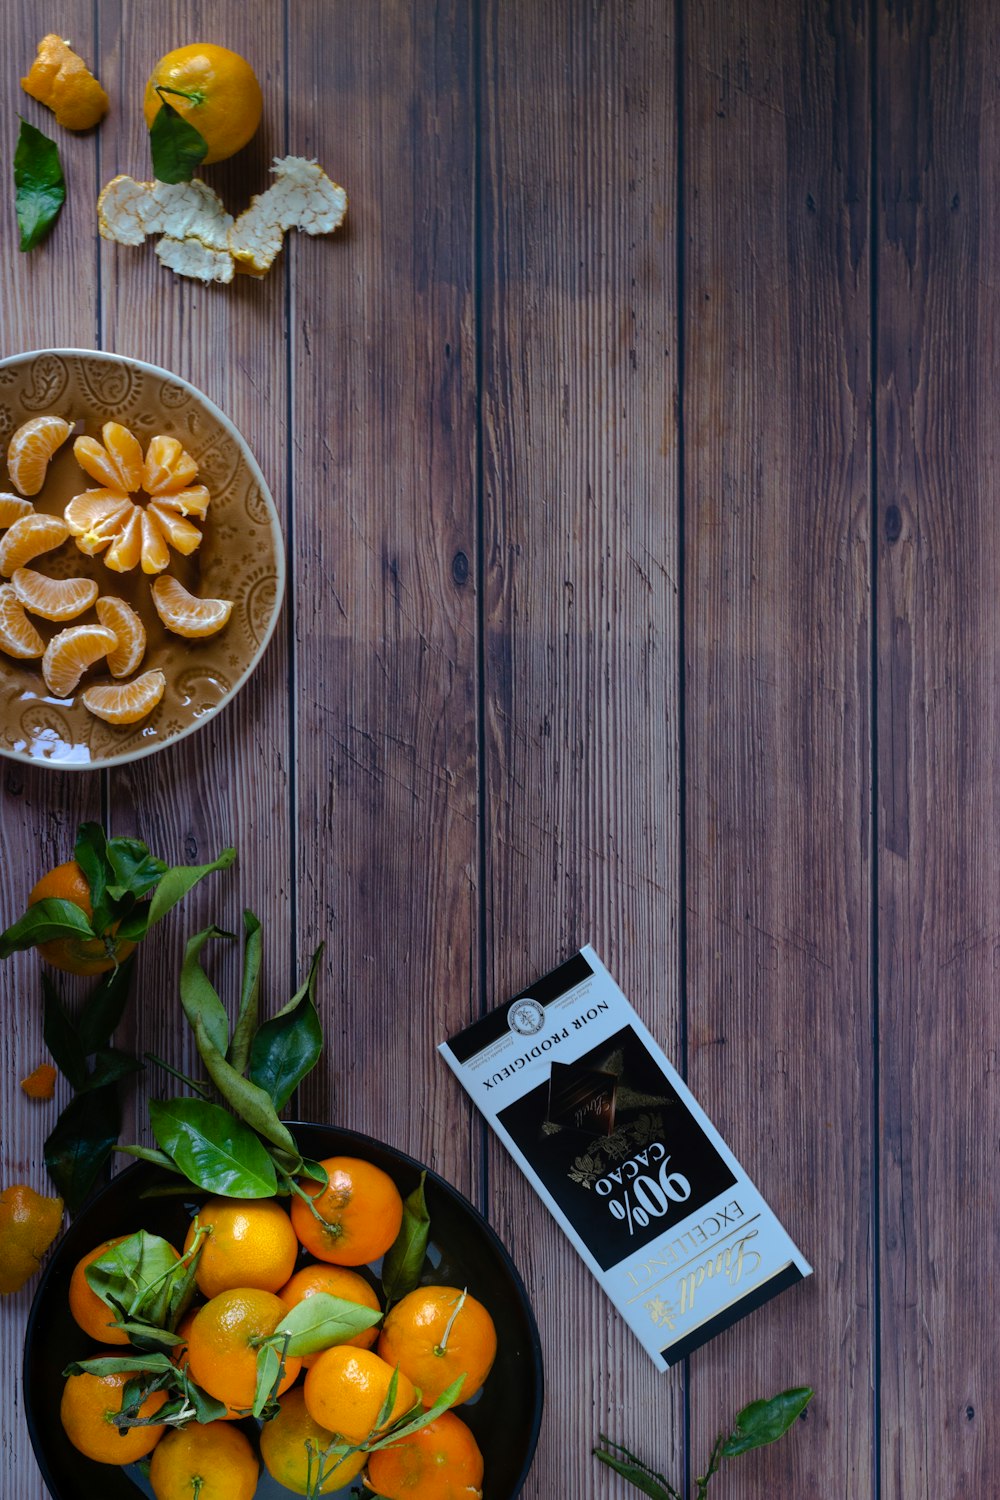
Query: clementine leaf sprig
[[177, 147]]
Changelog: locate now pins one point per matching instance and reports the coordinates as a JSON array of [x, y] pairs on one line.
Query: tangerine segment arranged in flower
[[71, 652], [439, 1462], [223, 1341], [346, 1389], [53, 598], [131, 632], [13, 508], [355, 1218], [187, 615], [210, 1462], [437, 1333], [89, 1406], [29, 538], [125, 702], [31, 448], [301, 1469], [18, 636], [108, 518]]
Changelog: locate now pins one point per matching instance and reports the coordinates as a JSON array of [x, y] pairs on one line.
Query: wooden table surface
[[636, 446]]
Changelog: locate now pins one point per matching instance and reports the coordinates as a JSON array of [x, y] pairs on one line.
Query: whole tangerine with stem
[[441, 1461], [223, 1341], [89, 1310], [294, 1450], [346, 1389], [354, 1219], [435, 1334], [74, 955], [215, 90], [336, 1281], [251, 1244], [210, 1462], [88, 1409]]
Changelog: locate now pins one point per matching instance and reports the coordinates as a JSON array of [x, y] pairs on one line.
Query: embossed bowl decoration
[[241, 557]]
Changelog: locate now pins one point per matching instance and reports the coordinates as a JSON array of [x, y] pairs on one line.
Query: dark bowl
[[464, 1251]]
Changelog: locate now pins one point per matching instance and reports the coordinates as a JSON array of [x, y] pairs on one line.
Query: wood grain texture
[[229, 784], [938, 655], [579, 359], [48, 299], [384, 528], [776, 507]]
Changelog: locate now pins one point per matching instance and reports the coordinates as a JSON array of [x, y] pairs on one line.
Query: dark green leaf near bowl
[[463, 1250]]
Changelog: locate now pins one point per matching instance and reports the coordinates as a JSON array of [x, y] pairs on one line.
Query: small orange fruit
[[336, 1281], [346, 1389], [223, 1341], [252, 1244], [288, 1459], [440, 1462], [28, 538], [360, 1213], [61, 80], [73, 955], [31, 448], [29, 1222], [18, 636], [90, 1311], [185, 614], [437, 1333], [180, 1358], [41, 1084], [214, 89], [212, 1462], [13, 508], [53, 598], [89, 1406], [71, 652], [129, 631], [125, 702]]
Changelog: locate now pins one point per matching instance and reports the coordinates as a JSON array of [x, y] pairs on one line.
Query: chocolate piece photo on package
[[616, 1147]]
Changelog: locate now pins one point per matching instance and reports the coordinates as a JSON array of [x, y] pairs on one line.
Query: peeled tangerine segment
[[168, 467], [18, 636], [182, 535], [53, 598], [126, 550], [71, 652], [189, 502], [155, 552], [28, 538], [130, 634], [31, 448], [95, 518], [125, 452], [96, 461], [126, 702], [13, 508], [185, 614]]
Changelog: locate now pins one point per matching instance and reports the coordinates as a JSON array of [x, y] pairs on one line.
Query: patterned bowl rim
[[127, 756]]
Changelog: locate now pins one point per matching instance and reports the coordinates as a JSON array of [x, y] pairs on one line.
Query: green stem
[[714, 1464], [459, 1304], [293, 1187], [199, 1088], [193, 96]]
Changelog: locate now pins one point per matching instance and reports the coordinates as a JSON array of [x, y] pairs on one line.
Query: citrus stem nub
[[440, 1349]]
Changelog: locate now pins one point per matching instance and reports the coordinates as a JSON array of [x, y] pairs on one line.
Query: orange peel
[[60, 79]]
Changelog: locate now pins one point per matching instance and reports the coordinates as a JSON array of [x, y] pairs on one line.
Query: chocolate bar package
[[624, 1157]]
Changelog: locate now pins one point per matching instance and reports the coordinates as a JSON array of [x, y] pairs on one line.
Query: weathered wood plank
[[229, 784], [776, 508], [48, 299], [580, 497], [938, 655], [384, 529]]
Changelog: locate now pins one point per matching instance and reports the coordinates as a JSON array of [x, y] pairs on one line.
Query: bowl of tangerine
[[371, 1338]]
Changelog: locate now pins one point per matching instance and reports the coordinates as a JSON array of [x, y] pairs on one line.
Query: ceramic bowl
[[241, 558], [505, 1415]]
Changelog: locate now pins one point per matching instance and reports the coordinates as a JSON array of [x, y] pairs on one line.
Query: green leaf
[[177, 148], [404, 1259], [213, 1149], [134, 872], [81, 1143], [61, 1037], [407, 1426], [638, 1475], [198, 995], [289, 1046], [321, 1321], [91, 854], [206, 1407], [41, 923], [125, 1364], [39, 185], [104, 1008], [136, 1276], [157, 1158], [314, 1170], [250, 1102], [764, 1422], [246, 1022], [109, 1065], [270, 1367], [180, 879], [149, 1339]]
